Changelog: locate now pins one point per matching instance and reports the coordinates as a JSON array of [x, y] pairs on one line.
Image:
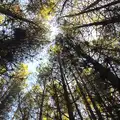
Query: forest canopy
[[59, 60]]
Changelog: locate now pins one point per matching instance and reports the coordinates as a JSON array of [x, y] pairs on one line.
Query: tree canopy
[[74, 47]]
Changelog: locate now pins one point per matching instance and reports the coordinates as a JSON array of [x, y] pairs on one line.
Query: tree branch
[[9, 13]]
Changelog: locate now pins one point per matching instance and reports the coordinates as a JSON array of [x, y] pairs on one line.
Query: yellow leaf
[[47, 11], [24, 66], [23, 71], [87, 71], [44, 118], [2, 18], [55, 49]]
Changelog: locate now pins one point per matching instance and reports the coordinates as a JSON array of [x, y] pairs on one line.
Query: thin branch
[[63, 6], [103, 22], [9, 13], [91, 10]]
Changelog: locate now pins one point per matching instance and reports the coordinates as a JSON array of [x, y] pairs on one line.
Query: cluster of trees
[[82, 80]]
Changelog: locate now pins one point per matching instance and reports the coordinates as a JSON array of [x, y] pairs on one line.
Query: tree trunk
[[104, 72], [92, 116], [57, 101], [98, 95], [42, 101], [93, 102], [66, 96], [79, 113]]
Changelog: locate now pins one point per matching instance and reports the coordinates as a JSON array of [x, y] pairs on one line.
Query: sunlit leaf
[[87, 71], [2, 70], [23, 71], [55, 49], [47, 11], [2, 18], [44, 118]]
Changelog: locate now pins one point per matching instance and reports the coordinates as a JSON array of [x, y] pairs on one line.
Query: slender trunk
[[92, 116], [97, 93], [79, 113], [57, 102], [93, 102], [108, 110], [99, 97], [63, 6], [42, 101], [66, 96], [41, 106]]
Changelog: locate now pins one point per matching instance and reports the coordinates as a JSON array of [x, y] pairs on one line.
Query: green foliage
[[55, 49], [2, 18], [87, 71], [47, 10], [2, 70]]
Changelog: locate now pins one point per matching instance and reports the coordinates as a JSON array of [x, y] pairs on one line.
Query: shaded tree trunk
[[108, 111], [66, 96], [92, 115], [57, 102], [42, 101], [76, 106], [104, 72]]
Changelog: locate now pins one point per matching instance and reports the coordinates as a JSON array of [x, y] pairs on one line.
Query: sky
[[43, 57]]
